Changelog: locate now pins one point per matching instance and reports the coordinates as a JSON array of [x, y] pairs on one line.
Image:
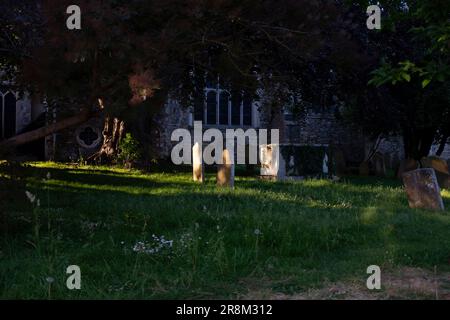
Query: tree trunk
[[113, 130], [418, 142], [442, 145], [47, 130]]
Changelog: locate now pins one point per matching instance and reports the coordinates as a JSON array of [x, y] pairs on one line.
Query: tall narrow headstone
[[423, 189], [225, 171], [197, 163], [270, 161], [325, 169]]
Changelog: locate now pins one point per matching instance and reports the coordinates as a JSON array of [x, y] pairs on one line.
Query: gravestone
[[270, 161], [379, 164], [423, 190], [440, 167], [405, 166], [197, 163], [225, 171], [325, 168]]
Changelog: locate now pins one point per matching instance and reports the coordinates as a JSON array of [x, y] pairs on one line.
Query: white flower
[[48, 175], [30, 196], [50, 279], [257, 232]]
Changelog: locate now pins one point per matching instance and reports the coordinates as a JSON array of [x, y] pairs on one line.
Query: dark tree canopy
[[129, 55]]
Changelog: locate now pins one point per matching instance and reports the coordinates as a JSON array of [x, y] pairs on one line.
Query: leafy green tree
[[407, 73]]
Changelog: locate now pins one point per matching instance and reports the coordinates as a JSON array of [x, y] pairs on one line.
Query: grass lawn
[[303, 239]]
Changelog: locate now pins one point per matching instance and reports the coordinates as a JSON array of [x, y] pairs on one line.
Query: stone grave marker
[[423, 189], [270, 161], [197, 163], [225, 171]]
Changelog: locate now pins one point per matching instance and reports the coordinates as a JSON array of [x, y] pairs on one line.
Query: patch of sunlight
[[316, 182], [57, 185], [445, 194], [79, 167], [369, 215]]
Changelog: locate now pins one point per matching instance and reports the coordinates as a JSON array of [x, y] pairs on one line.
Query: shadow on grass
[[310, 230]]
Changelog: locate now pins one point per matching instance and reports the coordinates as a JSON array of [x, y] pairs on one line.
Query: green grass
[[284, 237]]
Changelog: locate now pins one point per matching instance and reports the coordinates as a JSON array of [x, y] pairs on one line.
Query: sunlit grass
[[296, 235]]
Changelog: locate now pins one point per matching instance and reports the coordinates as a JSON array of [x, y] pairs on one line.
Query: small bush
[[129, 149]]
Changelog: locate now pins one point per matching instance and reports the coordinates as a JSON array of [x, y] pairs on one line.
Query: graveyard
[[163, 235], [236, 150]]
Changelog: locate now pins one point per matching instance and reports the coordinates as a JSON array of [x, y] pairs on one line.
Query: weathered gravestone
[[440, 167], [225, 171], [423, 189], [270, 160], [197, 163]]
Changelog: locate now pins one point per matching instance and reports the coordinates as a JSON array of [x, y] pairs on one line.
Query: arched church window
[[236, 102], [247, 110], [223, 108], [211, 107]]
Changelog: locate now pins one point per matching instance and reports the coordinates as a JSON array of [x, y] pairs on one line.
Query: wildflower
[[48, 175], [50, 280], [30, 196], [257, 232]]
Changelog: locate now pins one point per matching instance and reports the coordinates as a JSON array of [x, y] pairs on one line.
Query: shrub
[[129, 149]]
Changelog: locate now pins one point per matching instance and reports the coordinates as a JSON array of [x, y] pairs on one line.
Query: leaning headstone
[[225, 171], [440, 166], [423, 189], [197, 163], [405, 166]]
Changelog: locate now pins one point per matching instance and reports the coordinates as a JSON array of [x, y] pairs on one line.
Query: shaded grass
[[295, 235]]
